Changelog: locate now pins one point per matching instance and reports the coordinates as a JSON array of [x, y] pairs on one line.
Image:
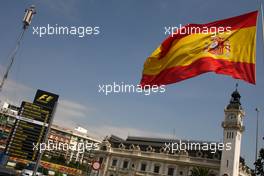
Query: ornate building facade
[[140, 156]]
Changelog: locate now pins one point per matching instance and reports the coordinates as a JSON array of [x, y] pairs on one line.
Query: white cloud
[[15, 93], [123, 132], [71, 108], [71, 114]]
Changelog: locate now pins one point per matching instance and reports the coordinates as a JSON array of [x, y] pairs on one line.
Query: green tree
[[260, 163], [200, 171]]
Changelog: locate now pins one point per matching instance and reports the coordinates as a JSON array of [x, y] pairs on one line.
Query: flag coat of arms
[[225, 47]]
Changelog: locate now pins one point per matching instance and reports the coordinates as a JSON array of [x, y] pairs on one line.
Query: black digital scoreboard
[[31, 126]]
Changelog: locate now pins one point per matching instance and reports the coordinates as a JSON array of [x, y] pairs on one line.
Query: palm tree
[[200, 171]]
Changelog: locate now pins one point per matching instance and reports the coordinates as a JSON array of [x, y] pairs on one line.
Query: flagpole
[[262, 24], [257, 136]]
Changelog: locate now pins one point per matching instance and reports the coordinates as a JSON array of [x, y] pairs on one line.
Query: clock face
[[231, 117]]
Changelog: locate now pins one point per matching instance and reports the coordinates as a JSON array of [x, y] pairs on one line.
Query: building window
[[125, 164], [181, 173], [143, 167], [101, 159], [156, 169], [170, 171], [226, 163], [230, 135], [114, 162]]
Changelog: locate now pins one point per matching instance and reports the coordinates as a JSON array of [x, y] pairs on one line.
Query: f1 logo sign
[[45, 97]]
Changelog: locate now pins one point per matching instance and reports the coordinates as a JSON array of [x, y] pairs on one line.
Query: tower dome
[[235, 100]]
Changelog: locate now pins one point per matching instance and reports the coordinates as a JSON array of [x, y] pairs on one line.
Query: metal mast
[[29, 13]]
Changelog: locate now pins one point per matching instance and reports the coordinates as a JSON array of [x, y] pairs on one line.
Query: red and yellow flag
[[225, 47]]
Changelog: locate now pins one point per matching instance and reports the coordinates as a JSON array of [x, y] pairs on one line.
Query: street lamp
[[29, 13]]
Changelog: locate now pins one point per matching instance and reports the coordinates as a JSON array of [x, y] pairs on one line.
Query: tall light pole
[[257, 136], [29, 13]]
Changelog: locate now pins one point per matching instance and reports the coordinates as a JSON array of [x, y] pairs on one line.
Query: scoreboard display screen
[[35, 112], [30, 128]]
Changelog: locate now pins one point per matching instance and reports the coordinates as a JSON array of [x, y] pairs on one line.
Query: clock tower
[[233, 129]]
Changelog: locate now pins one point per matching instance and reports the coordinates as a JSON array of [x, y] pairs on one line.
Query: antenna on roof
[[236, 86]]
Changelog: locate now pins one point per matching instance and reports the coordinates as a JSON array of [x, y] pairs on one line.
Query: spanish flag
[[225, 47]]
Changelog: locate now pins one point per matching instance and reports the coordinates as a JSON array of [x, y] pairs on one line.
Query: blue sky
[[129, 31]]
